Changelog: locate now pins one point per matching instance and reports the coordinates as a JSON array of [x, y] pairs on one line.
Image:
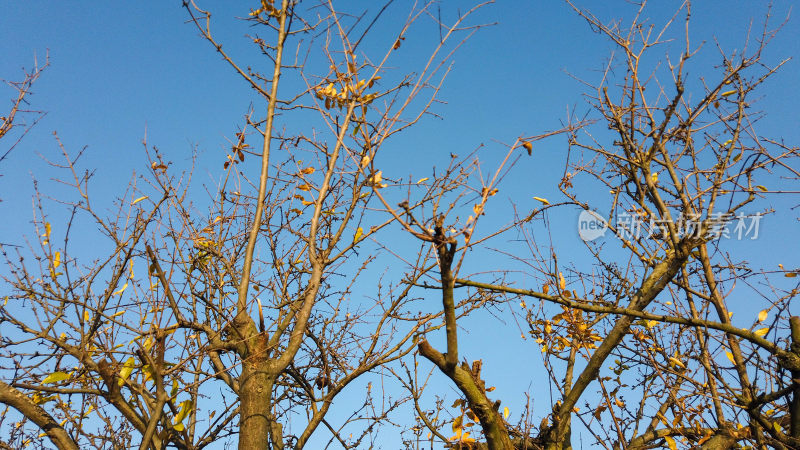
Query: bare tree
[[683, 161], [19, 115], [242, 315], [236, 314]]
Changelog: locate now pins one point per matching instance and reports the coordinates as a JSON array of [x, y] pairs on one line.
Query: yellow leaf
[[790, 274], [307, 171], [118, 313], [357, 236], [306, 202], [762, 316], [654, 177], [651, 323], [121, 290], [56, 260], [422, 180], [761, 332], [562, 283], [46, 234], [55, 377], [174, 388], [186, 407], [506, 412], [457, 425], [671, 443], [727, 93], [543, 200], [761, 188], [729, 355], [364, 161], [545, 288], [86, 316], [126, 370], [677, 362], [528, 146], [138, 200]]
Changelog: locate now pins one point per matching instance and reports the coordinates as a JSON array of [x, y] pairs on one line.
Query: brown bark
[[17, 400]]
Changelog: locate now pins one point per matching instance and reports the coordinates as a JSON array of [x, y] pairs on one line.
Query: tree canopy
[[341, 275]]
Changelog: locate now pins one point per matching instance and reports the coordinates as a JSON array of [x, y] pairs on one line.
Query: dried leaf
[[528, 146]]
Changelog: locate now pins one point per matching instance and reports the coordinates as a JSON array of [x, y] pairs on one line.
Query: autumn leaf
[[671, 443], [562, 282], [761, 332], [46, 234], [56, 260], [457, 425], [528, 146], [677, 362], [730, 356], [121, 290], [186, 406], [139, 199], [762, 316], [506, 412], [126, 371], [55, 377], [357, 236], [543, 200]]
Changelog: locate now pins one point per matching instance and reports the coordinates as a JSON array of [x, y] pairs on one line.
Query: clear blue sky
[[119, 70]]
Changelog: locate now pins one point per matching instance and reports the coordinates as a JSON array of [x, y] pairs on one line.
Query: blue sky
[[119, 71]]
